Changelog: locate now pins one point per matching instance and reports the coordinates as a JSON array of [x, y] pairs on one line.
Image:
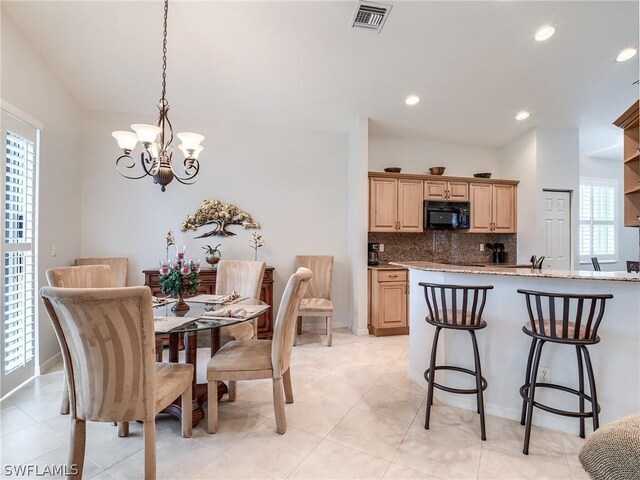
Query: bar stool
[[443, 312], [545, 325]]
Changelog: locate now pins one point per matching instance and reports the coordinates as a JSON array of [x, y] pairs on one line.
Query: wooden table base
[[199, 389]]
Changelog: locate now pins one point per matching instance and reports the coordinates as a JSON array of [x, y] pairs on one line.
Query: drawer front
[[392, 276]]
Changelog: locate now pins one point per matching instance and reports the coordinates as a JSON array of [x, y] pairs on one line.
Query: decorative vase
[[180, 307], [212, 260]]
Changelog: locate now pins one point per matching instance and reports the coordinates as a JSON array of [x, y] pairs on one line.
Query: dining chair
[[106, 336], [317, 298], [86, 276], [244, 277], [119, 267], [255, 359], [596, 264], [633, 267]]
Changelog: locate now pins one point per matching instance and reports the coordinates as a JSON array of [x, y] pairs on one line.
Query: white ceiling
[[474, 64]]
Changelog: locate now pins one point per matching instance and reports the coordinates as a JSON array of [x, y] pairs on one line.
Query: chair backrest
[[633, 267], [107, 340], [119, 266], [322, 268], [565, 315], [243, 276], [461, 305], [284, 327], [90, 276], [596, 264]]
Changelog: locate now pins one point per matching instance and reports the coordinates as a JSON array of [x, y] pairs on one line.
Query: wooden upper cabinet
[[383, 205], [504, 209], [443, 190], [480, 197], [410, 205], [493, 208], [395, 205]]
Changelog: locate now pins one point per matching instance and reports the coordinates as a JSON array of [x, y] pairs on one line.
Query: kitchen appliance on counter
[[374, 253], [446, 215], [498, 251]]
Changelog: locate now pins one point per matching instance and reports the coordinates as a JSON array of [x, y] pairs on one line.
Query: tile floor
[[356, 415]]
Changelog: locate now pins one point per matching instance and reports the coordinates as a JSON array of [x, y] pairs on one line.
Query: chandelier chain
[[163, 101]]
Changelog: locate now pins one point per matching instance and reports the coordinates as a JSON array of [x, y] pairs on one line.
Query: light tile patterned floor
[[356, 415]]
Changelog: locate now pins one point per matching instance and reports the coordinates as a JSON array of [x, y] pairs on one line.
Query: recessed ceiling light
[[544, 33], [412, 100], [626, 54], [523, 115]]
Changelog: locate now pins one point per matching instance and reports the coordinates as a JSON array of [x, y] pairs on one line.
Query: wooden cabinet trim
[[415, 176]]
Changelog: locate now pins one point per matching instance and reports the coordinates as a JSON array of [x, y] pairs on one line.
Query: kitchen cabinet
[[395, 205], [493, 208], [631, 166], [388, 302], [446, 190]]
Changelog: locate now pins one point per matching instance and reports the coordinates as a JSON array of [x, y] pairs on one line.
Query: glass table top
[[197, 320]]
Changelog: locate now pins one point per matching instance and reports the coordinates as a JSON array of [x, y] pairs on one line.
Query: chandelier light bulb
[[155, 153], [191, 141], [127, 141], [544, 33], [190, 153], [147, 134]]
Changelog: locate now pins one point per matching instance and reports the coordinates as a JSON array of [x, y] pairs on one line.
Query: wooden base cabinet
[[493, 208], [388, 302], [208, 286]]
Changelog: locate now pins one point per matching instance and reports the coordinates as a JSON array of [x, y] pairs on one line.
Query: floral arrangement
[[256, 242], [219, 214], [170, 241], [174, 283]]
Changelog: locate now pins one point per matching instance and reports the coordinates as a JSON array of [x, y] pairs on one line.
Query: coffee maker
[[374, 253]]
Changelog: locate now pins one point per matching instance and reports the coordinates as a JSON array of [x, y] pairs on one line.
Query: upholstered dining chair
[[119, 267], [317, 298], [106, 336], [255, 359], [244, 277]]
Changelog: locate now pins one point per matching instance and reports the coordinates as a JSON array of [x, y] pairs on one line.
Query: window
[[598, 219], [18, 279]]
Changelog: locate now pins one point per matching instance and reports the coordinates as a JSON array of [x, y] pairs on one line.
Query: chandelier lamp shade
[[156, 141]]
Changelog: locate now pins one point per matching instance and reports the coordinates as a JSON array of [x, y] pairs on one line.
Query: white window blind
[[598, 232], [18, 256]]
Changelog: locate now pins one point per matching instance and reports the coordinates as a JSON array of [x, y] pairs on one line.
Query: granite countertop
[[385, 266], [521, 272]]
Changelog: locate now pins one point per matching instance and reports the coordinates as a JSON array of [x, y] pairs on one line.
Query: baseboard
[[50, 363]]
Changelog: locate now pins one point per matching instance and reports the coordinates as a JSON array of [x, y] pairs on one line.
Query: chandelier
[[156, 141]]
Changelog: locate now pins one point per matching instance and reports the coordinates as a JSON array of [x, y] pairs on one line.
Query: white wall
[[30, 85], [518, 162], [627, 236], [417, 156], [292, 181]]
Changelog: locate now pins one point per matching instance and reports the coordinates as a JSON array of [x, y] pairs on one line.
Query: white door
[[557, 230], [18, 230]]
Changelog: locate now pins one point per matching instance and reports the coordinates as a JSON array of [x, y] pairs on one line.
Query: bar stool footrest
[[524, 393], [463, 391]]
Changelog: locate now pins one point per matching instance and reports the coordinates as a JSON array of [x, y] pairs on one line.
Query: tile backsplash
[[443, 246]]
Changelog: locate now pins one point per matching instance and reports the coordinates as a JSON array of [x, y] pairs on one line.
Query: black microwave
[[446, 215]]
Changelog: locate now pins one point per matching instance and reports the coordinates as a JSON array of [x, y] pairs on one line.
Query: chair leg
[[532, 390], [592, 387], [527, 378], [159, 354], [329, 324], [299, 325], [431, 379], [288, 389], [77, 447], [123, 429], [233, 385], [186, 401], [150, 450], [64, 404], [278, 405], [581, 388], [476, 356], [212, 406]]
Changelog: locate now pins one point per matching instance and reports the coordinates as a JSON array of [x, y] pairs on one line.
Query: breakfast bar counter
[[504, 347]]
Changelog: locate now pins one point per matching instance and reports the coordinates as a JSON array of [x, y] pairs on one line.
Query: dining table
[[198, 319]]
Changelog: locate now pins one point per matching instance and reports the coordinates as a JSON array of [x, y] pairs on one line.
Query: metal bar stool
[[567, 319], [443, 312]]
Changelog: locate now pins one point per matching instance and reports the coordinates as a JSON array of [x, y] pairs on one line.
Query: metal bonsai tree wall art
[[222, 215]]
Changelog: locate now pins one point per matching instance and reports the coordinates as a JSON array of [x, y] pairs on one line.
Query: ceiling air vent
[[370, 15]]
